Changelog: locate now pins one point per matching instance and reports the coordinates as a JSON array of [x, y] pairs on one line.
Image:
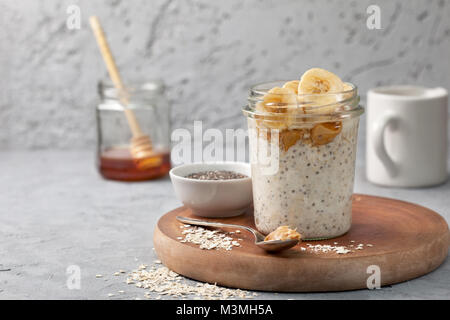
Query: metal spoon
[[269, 246]]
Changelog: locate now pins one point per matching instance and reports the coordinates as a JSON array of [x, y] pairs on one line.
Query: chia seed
[[216, 175]]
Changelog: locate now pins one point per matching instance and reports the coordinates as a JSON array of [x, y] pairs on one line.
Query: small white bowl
[[213, 198]]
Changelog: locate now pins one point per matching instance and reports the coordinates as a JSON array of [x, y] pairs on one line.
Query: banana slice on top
[[320, 81], [277, 100], [347, 87], [269, 121], [292, 85], [317, 80]]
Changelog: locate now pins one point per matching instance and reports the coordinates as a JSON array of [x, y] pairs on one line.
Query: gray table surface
[[56, 211]]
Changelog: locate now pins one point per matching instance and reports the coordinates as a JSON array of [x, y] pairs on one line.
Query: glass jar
[[151, 110], [302, 157]]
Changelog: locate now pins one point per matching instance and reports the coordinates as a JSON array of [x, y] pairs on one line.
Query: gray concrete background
[[208, 52]]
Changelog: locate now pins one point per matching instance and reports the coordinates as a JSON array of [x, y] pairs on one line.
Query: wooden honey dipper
[[141, 146]]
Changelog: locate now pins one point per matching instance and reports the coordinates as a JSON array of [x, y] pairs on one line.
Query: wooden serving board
[[408, 241]]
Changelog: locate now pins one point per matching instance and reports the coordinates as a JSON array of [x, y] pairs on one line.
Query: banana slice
[[277, 100], [347, 87], [269, 121], [347, 94], [280, 99], [319, 81], [292, 85]]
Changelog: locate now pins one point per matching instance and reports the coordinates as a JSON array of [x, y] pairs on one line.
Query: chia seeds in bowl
[[216, 175], [214, 189]]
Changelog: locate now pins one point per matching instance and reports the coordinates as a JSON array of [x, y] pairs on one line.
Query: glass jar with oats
[[302, 136]]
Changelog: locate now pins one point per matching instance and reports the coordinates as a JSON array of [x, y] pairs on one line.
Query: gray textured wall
[[209, 52]]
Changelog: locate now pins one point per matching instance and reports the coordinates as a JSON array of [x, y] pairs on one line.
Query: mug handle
[[378, 141]]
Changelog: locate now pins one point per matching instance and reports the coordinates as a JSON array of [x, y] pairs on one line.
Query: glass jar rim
[[263, 88], [106, 88]]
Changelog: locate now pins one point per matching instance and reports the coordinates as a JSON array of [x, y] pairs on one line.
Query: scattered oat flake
[[111, 294], [164, 282], [208, 239], [157, 261], [339, 249], [98, 276], [319, 248], [342, 250]]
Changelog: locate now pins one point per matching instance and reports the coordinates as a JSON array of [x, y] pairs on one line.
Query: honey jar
[[151, 110]]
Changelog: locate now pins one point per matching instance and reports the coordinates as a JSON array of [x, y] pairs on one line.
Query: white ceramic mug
[[406, 136]]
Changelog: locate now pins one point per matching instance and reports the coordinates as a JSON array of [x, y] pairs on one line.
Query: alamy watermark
[[373, 21], [214, 145], [73, 281], [73, 21], [374, 280]]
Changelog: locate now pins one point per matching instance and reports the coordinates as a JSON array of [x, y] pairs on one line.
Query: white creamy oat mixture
[[312, 188]]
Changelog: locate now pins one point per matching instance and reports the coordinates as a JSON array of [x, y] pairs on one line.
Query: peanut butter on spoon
[[283, 233]]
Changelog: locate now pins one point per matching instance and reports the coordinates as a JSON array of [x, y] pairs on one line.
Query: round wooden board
[[408, 241]]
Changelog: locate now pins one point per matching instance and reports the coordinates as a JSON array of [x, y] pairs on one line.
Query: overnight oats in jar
[[303, 138]]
